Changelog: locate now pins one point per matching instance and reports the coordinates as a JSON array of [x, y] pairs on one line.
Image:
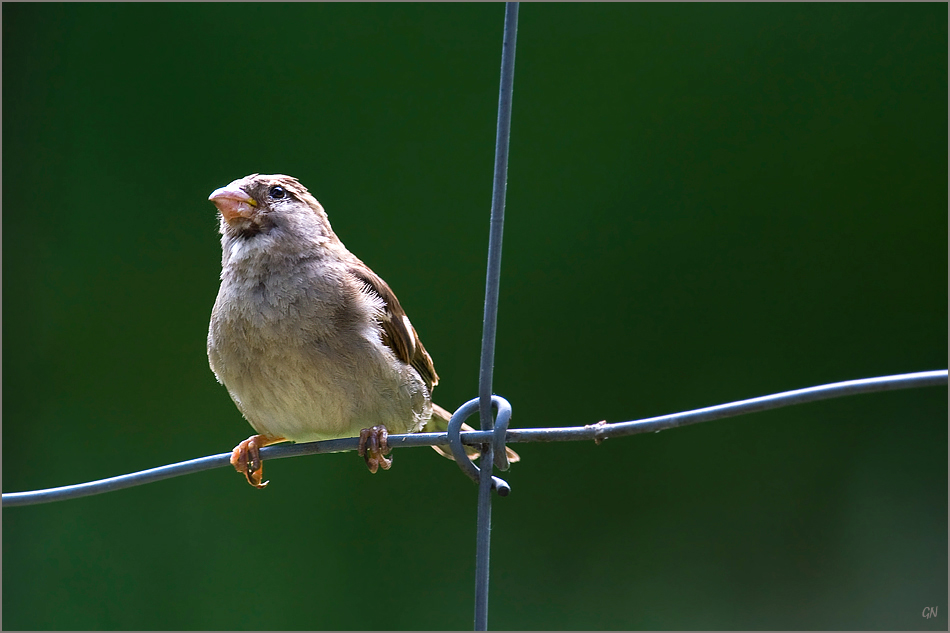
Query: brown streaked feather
[[398, 333]]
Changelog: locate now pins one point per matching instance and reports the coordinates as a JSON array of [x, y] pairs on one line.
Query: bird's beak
[[233, 202]]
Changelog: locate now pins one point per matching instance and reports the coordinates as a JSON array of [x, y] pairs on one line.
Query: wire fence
[[595, 432], [495, 434]]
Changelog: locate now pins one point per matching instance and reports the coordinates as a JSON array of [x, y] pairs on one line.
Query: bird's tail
[[439, 422]]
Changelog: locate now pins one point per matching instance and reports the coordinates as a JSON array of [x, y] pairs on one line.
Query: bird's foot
[[246, 458], [374, 447]]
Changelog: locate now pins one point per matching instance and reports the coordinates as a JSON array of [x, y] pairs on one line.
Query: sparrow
[[310, 343]]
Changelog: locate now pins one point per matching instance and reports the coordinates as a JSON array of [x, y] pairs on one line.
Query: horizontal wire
[[596, 432]]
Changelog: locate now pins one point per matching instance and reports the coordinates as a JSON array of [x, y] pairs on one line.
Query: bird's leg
[[246, 457], [373, 448]]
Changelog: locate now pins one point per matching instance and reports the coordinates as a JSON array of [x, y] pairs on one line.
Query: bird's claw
[[374, 447], [246, 458]]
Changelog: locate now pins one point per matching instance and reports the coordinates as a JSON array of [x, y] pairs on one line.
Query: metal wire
[[596, 432], [492, 280], [498, 441], [499, 189]]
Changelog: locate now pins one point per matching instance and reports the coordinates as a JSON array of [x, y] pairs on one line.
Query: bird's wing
[[398, 333]]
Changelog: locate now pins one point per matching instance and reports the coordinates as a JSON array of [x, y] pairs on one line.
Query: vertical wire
[[486, 368], [483, 540], [499, 188]]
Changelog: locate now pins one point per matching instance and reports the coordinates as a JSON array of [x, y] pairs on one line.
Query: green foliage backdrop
[[706, 203]]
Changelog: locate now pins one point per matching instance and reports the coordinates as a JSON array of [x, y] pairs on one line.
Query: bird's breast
[[302, 360]]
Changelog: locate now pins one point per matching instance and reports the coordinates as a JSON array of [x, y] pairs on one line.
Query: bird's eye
[[277, 192]]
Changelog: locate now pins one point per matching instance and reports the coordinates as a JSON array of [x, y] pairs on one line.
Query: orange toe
[[246, 458]]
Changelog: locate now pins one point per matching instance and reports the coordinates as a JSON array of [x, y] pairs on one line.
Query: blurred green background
[[706, 203]]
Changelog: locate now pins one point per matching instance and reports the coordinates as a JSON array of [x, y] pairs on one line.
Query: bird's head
[[261, 204]]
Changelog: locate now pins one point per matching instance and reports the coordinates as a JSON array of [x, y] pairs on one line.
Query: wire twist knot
[[500, 455]]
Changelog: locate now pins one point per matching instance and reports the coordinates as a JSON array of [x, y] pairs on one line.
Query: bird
[[310, 343]]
